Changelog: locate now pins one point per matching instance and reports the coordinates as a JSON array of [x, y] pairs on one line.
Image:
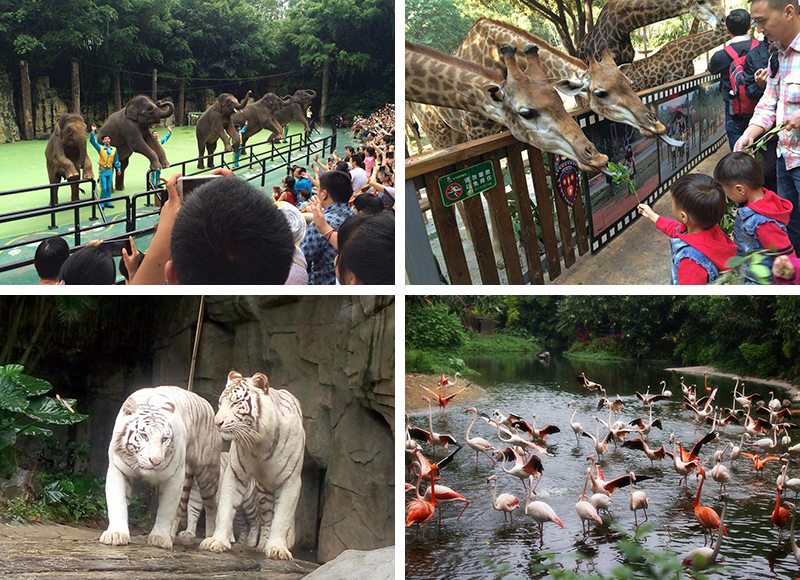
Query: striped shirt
[[782, 98]]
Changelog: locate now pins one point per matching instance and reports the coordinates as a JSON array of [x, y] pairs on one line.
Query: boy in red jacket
[[761, 217], [700, 250]]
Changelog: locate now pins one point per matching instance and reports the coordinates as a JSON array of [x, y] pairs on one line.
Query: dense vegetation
[[207, 47], [757, 335]]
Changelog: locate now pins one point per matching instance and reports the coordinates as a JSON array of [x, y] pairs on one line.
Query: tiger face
[[240, 406], [149, 438]]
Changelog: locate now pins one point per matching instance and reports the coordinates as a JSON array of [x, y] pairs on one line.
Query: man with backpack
[[729, 64]]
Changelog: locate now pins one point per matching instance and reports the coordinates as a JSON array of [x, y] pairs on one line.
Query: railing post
[[420, 263], [52, 205], [94, 197], [77, 218]]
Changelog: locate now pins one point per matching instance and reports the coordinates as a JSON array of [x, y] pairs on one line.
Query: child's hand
[[315, 207], [169, 129], [783, 268], [647, 212], [94, 127]]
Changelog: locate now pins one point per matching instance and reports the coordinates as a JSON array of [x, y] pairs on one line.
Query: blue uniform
[[157, 173], [108, 157]]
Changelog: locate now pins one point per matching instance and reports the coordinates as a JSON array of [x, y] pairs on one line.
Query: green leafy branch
[[756, 147], [622, 174], [739, 265]]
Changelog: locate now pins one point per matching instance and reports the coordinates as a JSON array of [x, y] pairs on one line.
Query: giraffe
[[619, 18], [522, 101], [412, 129], [674, 60]]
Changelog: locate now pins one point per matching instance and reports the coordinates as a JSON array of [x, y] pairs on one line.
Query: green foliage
[[434, 327], [25, 410], [434, 362], [740, 265], [67, 499], [762, 357], [622, 174], [499, 343]]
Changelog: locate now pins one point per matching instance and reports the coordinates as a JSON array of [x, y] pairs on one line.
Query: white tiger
[[265, 427], [166, 436], [245, 525]]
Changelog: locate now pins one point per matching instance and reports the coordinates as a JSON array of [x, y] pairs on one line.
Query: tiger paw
[[215, 545], [115, 538], [186, 535], [159, 541], [278, 553]]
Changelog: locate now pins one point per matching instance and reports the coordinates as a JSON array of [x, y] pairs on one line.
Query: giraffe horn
[[508, 51], [532, 54]]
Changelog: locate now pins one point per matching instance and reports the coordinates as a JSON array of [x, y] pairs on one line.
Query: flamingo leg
[[489, 456], [466, 503], [537, 484]]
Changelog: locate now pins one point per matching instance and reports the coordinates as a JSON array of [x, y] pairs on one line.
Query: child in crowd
[[700, 250], [107, 162], [303, 197], [50, 256], [91, 265], [369, 160], [762, 217], [154, 177]]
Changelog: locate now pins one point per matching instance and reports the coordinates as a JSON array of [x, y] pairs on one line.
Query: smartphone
[[186, 185], [117, 245]]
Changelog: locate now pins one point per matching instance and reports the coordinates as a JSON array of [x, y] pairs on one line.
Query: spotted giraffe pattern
[[619, 18], [674, 61]]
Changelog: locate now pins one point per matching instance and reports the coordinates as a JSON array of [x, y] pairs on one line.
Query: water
[[523, 385]]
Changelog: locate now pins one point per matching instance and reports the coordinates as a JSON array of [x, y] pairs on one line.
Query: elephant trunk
[[80, 141], [244, 102], [170, 108], [311, 94]]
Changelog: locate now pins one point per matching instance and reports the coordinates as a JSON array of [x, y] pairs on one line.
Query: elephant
[[66, 154], [295, 109], [261, 115], [215, 124], [129, 129]]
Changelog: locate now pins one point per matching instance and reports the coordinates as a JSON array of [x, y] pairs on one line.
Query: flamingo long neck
[[699, 489], [494, 495], [715, 552], [503, 465], [528, 495], [475, 418], [778, 502], [571, 419], [795, 549], [419, 479], [501, 437], [430, 417], [433, 491], [585, 484]]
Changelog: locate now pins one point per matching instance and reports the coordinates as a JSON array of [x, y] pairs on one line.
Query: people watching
[[333, 196], [287, 194], [91, 265], [298, 273], [50, 256], [358, 175], [366, 249]]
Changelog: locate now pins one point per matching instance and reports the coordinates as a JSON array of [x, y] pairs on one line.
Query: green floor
[[22, 165]]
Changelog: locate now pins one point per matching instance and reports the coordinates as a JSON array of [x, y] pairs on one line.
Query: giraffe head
[[535, 114], [610, 94], [712, 12]]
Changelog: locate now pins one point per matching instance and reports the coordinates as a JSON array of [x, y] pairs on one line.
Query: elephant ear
[[217, 106], [131, 112]]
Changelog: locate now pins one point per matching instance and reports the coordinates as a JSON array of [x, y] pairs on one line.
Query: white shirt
[[358, 178]]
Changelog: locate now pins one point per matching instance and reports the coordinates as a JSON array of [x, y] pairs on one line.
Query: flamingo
[[443, 400], [790, 484], [591, 385], [767, 443], [645, 428], [637, 501], [506, 503], [737, 450], [446, 383], [445, 495], [701, 558], [600, 485], [479, 444], [745, 401], [586, 511], [411, 445], [515, 440], [774, 404], [780, 515], [795, 549], [577, 428], [649, 400], [540, 511], [707, 517], [533, 467], [652, 454], [433, 439], [720, 472], [420, 511], [682, 468], [535, 433], [755, 427], [600, 445], [706, 410], [664, 391], [503, 420], [758, 462]]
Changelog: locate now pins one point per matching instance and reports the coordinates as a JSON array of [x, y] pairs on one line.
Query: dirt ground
[[415, 392], [794, 390], [58, 552]]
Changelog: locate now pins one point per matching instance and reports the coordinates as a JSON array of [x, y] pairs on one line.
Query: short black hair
[[366, 247], [304, 193], [358, 160], [91, 265], [337, 184], [289, 181], [738, 21], [229, 232], [342, 166], [371, 151], [701, 197], [368, 203], [738, 167], [50, 256]]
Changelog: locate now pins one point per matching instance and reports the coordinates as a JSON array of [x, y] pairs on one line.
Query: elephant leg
[[54, 190], [139, 145], [233, 137], [210, 148], [75, 189], [201, 151], [226, 139], [120, 184], [158, 149]]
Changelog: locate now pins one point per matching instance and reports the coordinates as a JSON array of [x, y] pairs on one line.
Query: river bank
[[415, 392]]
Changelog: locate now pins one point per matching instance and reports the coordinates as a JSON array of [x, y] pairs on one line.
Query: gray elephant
[[216, 124], [261, 115], [295, 109], [66, 154], [129, 129]]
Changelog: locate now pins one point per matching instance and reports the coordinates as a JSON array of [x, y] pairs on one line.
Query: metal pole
[[196, 341]]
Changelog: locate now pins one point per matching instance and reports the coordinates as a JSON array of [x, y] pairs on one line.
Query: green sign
[[467, 182]]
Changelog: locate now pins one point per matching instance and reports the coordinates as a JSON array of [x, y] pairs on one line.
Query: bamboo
[[196, 341]]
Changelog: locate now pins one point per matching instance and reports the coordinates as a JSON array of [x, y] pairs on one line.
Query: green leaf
[[736, 261], [13, 395], [33, 430], [33, 385], [11, 370], [51, 410], [760, 271], [8, 436]]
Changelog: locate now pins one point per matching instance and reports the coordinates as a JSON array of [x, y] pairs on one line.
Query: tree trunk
[[181, 106], [117, 93], [155, 84], [323, 108], [75, 78], [27, 102]]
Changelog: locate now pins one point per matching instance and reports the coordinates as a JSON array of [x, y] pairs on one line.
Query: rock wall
[[336, 355], [47, 108], [9, 131]]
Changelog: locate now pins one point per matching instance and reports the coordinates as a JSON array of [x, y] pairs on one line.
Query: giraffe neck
[[484, 40], [625, 16], [442, 80], [697, 44]]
